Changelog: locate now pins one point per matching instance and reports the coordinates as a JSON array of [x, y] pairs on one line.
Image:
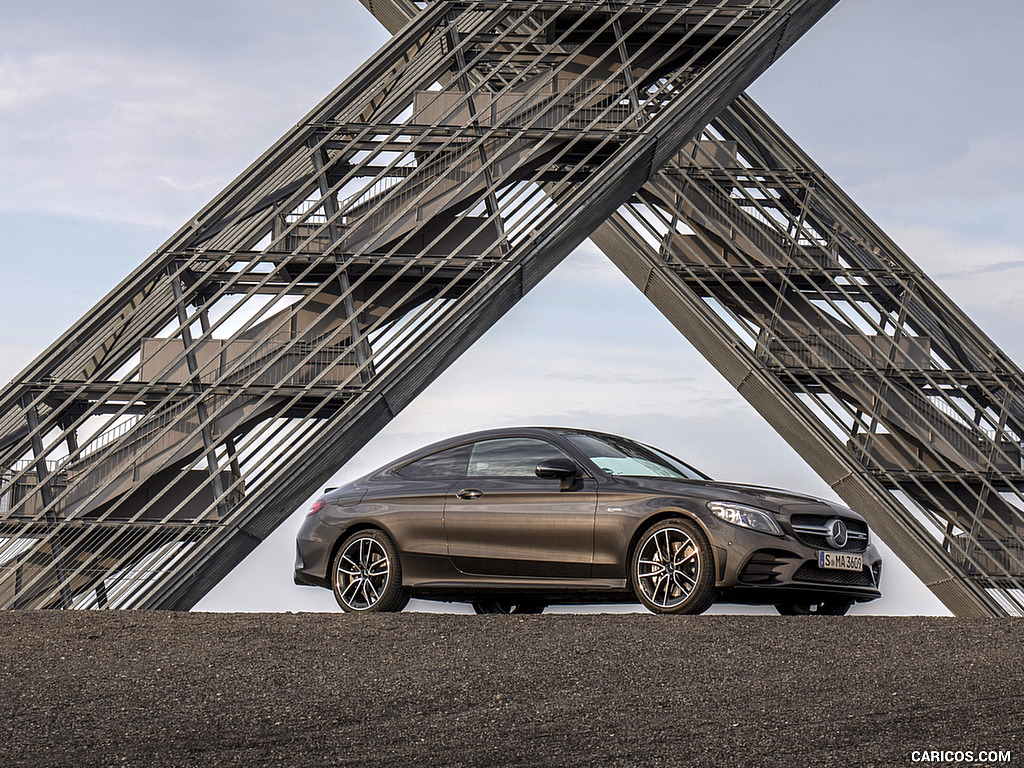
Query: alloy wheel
[[668, 568], [363, 573]]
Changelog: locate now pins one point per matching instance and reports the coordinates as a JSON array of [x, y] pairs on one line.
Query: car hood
[[775, 495], [772, 499]]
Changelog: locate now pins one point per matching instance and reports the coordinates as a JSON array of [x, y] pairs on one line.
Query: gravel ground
[[187, 689]]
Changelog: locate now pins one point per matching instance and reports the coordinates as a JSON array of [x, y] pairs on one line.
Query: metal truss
[[163, 436], [887, 390], [898, 401]]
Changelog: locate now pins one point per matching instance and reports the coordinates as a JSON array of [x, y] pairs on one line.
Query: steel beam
[[161, 438]]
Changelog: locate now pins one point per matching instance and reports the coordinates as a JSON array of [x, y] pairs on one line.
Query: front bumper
[[756, 567]]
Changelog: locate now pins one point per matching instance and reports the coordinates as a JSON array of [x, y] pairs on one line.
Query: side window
[[445, 464], [510, 457]]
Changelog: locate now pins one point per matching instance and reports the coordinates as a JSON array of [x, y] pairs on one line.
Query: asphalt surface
[[170, 689]]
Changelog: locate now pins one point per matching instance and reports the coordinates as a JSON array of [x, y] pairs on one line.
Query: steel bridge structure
[[167, 433]]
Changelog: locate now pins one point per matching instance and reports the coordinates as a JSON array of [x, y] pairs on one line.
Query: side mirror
[[557, 469], [565, 470]]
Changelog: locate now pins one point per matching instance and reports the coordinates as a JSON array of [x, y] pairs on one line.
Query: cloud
[[14, 358], [914, 108], [120, 137], [1003, 266], [587, 265], [981, 276], [141, 125]]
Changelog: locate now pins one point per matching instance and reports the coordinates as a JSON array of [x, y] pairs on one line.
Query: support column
[[202, 412]]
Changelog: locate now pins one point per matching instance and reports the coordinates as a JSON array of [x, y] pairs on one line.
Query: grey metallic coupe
[[514, 520]]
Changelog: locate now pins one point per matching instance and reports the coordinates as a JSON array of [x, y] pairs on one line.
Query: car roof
[[489, 434]]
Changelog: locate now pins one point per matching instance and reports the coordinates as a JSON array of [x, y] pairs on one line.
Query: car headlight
[[745, 517]]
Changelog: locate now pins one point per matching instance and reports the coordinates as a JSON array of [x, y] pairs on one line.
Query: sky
[[119, 120]]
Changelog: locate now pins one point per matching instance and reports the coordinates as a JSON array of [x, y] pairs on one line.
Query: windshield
[[618, 456]]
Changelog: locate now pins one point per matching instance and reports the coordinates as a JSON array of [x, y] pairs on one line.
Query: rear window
[[443, 465]]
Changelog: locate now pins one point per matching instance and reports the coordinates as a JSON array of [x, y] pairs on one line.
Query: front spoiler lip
[[796, 592]]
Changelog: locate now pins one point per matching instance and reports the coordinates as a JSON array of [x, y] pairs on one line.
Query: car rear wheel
[[672, 570], [508, 606], [368, 575], [824, 608]]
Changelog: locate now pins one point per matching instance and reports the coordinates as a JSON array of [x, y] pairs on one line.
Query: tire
[[671, 569], [508, 606], [824, 608], [367, 576]]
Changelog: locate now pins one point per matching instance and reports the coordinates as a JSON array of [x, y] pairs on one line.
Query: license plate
[[840, 561]]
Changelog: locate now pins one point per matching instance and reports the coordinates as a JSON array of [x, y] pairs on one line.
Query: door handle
[[469, 493]]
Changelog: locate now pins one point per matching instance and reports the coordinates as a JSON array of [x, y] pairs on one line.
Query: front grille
[[803, 524], [811, 572], [763, 567]]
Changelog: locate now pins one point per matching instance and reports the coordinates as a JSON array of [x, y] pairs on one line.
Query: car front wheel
[[672, 570], [368, 575]]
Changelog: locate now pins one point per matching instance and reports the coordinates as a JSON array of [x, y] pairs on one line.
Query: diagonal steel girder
[[874, 376], [162, 437]]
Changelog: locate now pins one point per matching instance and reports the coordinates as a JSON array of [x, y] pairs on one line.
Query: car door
[[413, 500], [503, 520]]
